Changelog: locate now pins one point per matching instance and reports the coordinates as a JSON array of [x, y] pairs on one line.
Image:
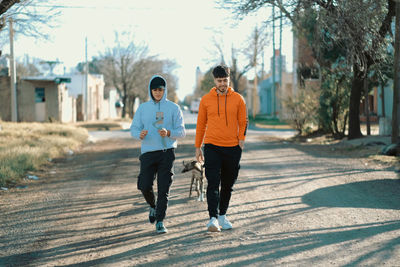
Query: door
[[40, 104]]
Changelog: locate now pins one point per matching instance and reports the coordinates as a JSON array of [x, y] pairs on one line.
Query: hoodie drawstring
[[218, 103], [226, 115]]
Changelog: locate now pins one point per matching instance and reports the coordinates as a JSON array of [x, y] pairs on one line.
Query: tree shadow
[[375, 194]]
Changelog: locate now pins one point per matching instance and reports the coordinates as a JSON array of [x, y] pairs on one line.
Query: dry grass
[[25, 147]]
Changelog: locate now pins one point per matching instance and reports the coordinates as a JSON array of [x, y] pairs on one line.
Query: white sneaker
[[201, 197], [213, 226], [224, 223]]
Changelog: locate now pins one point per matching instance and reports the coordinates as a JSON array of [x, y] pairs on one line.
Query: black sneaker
[[152, 215], [160, 228]]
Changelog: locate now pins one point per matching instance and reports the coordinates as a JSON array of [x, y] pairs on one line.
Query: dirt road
[[293, 205]]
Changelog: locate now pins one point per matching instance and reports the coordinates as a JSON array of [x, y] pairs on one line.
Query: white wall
[[68, 105]]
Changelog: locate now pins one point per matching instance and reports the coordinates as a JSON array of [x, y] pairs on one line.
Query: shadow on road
[[376, 194], [110, 231]]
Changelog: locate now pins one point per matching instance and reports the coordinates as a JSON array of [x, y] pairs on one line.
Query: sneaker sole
[[213, 228], [161, 232]]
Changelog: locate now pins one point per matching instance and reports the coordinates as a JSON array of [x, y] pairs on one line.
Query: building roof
[[55, 79]]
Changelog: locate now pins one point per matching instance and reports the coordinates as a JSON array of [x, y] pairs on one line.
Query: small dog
[[197, 177]]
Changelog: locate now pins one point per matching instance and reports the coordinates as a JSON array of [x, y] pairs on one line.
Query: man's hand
[[241, 144], [143, 134], [164, 132], [199, 155]]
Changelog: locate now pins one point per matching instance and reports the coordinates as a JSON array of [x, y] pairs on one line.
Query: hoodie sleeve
[[242, 119], [137, 124], [178, 130]]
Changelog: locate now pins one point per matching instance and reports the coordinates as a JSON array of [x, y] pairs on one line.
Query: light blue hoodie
[[146, 119]]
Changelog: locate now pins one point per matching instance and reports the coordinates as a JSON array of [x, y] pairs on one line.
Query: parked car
[[194, 106]]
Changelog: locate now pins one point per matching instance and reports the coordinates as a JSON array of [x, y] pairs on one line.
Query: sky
[[179, 30]]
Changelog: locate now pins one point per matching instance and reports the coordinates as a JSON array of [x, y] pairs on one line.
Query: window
[[39, 95]]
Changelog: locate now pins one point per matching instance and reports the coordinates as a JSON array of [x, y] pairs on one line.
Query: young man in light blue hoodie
[[157, 123]]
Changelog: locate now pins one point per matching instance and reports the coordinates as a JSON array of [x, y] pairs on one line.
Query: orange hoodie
[[222, 119]]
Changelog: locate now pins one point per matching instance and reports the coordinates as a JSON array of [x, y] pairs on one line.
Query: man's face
[[221, 84], [157, 94]]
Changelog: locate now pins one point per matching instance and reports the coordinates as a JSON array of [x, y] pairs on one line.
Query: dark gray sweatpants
[[156, 164]]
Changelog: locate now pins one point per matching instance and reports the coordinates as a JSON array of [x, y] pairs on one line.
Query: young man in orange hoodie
[[221, 126]]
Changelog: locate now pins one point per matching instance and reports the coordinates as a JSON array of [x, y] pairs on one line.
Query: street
[[293, 205]]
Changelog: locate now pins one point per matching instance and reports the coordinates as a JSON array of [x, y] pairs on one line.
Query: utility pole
[[86, 83], [14, 107], [256, 37], [273, 62], [280, 59]]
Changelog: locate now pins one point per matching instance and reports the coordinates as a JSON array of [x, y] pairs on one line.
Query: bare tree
[[119, 64], [241, 59], [6, 5], [128, 68], [30, 18], [28, 67], [143, 72]]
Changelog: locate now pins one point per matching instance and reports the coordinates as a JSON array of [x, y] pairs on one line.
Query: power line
[[93, 7]]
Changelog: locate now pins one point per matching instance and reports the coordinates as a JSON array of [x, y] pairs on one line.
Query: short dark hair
[[221, 71]]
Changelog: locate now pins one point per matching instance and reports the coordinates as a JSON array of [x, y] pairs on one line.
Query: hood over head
[[157, 81]]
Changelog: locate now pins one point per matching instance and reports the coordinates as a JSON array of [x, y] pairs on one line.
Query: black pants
[[222, 169], [160, 164]]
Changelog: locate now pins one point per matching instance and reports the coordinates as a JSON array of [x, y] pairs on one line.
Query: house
[[383, 105], [45, 99], [89, 90], [58, 98], [5, 98], [270, 96], [38, 99]]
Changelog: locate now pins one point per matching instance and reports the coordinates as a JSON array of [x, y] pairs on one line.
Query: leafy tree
[[334, 100], [358, 27], [333, 73]]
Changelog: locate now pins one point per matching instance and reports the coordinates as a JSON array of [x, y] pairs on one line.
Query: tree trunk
[[6, 4], [124, 98], [354, 110], [235, 83], [396, 86], [366, 92], [383, 100]]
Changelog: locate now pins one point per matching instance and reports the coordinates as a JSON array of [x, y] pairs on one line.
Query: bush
[[301, 110]]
